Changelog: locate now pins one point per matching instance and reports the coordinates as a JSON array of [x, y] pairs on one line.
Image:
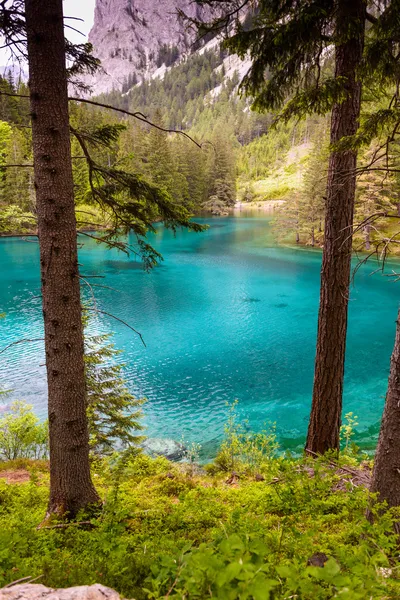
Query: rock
[[317, 560], [259, 477], [29, 591], [233, 479], [128, 36], [166, 447]]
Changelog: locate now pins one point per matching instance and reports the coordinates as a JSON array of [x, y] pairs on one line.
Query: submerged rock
[[37, 591], [166, 447]]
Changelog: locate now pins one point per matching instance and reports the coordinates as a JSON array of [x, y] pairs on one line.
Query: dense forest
[[310, 131], [244, 155]]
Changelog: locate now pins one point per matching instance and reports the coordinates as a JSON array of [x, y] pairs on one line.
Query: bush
[[21, 434], [165, 534], [243, 450]]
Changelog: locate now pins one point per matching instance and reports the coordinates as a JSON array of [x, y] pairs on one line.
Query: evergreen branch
[[112, 244], [137, 115], [109, 188]]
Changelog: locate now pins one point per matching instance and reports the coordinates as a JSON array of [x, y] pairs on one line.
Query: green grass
[[164, 532]]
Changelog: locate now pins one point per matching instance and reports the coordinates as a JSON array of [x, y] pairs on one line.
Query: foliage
[[303, 213], [113, 412], [21, 433], [347, 429], [14, 220], [183, 536], [239, 144], [243, 450]]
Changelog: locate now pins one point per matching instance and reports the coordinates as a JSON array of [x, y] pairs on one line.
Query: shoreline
[[262, 205]]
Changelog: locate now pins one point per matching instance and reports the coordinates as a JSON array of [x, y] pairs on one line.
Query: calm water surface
[[228, 315]]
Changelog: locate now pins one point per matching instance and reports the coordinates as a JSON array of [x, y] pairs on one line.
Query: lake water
[[228, 315]]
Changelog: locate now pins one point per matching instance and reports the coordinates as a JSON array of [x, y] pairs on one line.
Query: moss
[[155, 513]]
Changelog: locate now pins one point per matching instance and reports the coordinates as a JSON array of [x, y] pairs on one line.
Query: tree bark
[[386, 472], [325, 419], [71, 488]]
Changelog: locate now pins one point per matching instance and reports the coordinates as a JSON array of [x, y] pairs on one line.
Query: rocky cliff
[[136, 38]]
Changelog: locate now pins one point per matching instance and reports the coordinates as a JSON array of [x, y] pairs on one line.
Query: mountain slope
[[133, 38]]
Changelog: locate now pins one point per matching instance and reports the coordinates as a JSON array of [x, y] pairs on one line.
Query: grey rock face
[[127, 36], [40, 592], [166, 447]]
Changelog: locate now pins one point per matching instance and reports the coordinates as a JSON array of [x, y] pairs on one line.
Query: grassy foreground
[[170, 531]]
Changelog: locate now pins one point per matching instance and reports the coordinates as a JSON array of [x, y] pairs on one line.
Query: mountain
[[134, 39], [13, 71]]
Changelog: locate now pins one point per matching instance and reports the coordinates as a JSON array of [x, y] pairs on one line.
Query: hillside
[[135, 38]]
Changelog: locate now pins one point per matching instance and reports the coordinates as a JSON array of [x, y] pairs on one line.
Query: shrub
[[21, 434], [243, 450]]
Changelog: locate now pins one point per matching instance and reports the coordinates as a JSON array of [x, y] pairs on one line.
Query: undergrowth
[[253, 525], [166, 532]]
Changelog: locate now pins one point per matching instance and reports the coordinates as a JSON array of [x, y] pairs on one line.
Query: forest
[[230, 207]]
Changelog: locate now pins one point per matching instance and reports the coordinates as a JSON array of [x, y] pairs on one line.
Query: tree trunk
[[325, 419], [386, 473], [71, 487]]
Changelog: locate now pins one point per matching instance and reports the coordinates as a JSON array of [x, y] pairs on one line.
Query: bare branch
[[103, 312], [25, 341], [15, 166], [137, 115]]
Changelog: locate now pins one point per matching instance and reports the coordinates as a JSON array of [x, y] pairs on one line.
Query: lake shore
[[262, 205]]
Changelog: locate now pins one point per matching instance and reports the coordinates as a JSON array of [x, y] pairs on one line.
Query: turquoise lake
[[228, 315]]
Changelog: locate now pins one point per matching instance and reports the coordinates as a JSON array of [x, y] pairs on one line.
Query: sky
[[83, 9]]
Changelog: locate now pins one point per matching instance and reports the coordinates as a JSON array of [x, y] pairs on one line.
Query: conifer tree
[[289, 44], [113, 412], [160, 161], [222, 188], [133, 203], [18, 181], [71, 488], [312, 198]]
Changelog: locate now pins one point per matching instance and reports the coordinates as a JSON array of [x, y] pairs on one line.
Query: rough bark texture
[[70, 483], [324, 426], [40, 592], [386, 473]]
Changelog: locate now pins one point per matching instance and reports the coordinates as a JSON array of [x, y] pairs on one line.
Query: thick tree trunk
[[325, 419], [386, 473], [71, 487]]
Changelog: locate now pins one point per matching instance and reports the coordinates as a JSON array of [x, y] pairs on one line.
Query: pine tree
[[18, 181], [71, 488], [377, 196], [222, 187], [291, 42], [312, 198], [113, 412]]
